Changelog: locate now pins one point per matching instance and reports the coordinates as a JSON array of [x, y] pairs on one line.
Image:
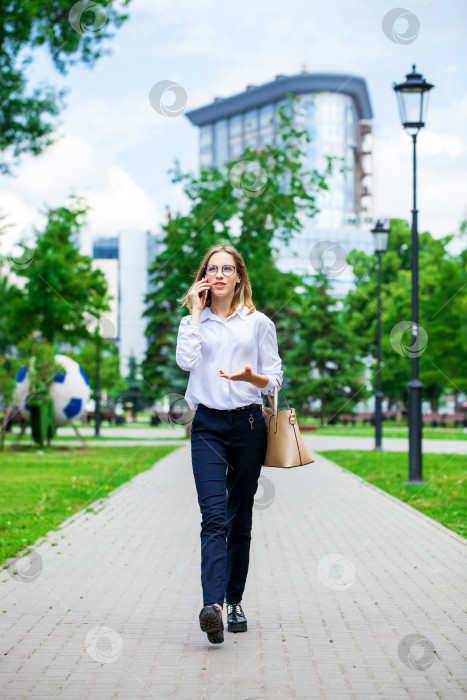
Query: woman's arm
[[188, 352], [259, 380], [269, 362]]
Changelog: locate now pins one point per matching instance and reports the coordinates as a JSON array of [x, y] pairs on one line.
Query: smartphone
[[208, 291]]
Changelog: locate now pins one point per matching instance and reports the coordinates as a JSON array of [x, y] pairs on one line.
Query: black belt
[[242, 408], [239, 408]]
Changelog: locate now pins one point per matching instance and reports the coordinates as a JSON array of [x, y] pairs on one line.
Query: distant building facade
[[125, 260], [337, 112]]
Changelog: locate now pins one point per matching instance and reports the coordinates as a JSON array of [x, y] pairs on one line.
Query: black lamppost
[[413, 100], [380, 240], [97, 391]]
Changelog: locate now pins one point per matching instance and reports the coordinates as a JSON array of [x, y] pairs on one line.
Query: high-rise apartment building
[[337, 112]]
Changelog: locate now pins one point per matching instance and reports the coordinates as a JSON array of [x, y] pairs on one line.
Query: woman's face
[[222, 285]]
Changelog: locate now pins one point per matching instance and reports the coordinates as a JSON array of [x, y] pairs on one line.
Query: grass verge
[[39, 489], [443, 496], [389, 431]]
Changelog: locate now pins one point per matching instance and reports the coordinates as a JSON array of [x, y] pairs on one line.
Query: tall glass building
[[124, 260], [337, 112]]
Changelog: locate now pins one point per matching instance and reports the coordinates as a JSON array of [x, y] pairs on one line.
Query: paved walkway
[[350, 594]]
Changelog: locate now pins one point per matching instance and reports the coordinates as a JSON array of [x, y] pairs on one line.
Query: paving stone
[[126, 596]]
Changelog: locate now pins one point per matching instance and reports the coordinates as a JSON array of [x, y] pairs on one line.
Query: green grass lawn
[[389, 430], [27, 440], [444, 495], [40, 491]]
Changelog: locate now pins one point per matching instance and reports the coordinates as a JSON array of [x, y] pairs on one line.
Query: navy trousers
[[227, 456]]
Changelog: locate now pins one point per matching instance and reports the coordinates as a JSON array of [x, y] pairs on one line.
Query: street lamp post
[[413, 101], [380, 241], [97, 392]]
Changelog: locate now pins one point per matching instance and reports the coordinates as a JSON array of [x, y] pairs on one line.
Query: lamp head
[[413, 100]]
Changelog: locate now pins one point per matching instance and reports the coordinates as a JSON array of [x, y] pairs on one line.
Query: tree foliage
[[26, 113], [442, 313], [264, 193], [324, 364], [62, 292], [109, 365]]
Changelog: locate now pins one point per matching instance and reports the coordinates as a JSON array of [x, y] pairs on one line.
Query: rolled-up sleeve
[[188, 352], [269, 361]]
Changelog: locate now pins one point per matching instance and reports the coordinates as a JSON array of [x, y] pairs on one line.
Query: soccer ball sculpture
[[70, 391]]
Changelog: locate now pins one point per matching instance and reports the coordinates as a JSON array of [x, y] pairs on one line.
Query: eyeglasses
[[226, 269]]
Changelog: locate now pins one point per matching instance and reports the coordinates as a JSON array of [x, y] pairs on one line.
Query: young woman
[[230, 350]]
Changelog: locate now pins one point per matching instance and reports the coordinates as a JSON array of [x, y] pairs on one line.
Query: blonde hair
[[242, 294]]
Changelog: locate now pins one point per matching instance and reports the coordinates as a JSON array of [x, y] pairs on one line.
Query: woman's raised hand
[[243, 376], [197, 301]]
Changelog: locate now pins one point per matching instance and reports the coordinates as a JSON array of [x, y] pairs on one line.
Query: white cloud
[[71, 162], [441, 182], [121, 204], [442, 144], [19, 218], [73, 166]]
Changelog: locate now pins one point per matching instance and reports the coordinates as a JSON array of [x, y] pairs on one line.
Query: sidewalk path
[[350, 594]]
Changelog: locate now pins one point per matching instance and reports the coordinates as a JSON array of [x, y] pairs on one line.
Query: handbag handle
[[276, 401]]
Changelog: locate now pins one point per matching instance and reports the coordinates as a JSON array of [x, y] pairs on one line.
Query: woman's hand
[[197, 301], [246, 375]]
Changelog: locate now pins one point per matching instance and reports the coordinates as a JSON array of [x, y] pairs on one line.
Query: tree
[[72, 33], [133, 392], [442, 313], [324, 363], [62, 291], [8, 369], [264, 192], [109, 365]]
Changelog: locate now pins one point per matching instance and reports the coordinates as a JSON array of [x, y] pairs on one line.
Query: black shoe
[[210, 621], [236, 620]]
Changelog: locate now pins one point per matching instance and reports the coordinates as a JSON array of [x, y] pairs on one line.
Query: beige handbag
[[285, 444]]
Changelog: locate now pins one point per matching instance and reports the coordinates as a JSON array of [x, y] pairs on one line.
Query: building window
[[266, 125], [205, 147], [236, 135], [251, 128], [221, 143]]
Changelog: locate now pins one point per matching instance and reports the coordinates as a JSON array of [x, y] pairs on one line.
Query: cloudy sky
[[115, 149]]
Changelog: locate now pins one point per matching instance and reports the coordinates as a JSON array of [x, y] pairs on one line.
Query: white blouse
[[228, 345]]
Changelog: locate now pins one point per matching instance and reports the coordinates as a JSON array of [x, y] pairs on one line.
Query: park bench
[[456, 419], [107, 414], [347, 418], [434, 418], [14, 418], [366, 417]]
